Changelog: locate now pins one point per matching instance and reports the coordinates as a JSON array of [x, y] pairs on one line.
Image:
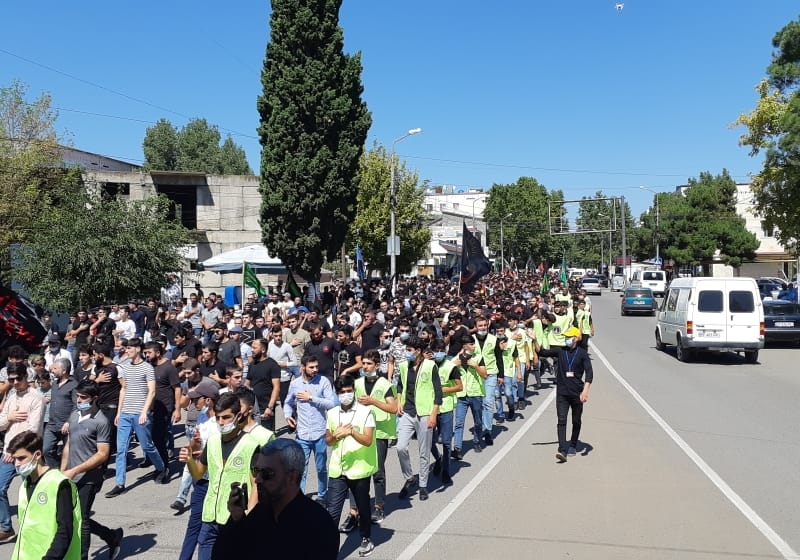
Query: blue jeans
[[462, 405], [128, 424], [444, 429], [209, 530], [195, 520], [320, 449], [490, 386], [509, 389], [523, 385], [7, 474]]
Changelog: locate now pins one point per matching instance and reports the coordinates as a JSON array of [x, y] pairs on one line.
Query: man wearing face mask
[[450, 377], [573, 378], [51, 527], [419, 395], [492, 356], [84, 459], [226, 458]]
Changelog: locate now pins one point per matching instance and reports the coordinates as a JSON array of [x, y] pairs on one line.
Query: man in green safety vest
[[51, 526]]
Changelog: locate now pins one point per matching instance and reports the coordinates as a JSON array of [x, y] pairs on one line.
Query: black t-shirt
[[371, 336], [207, 369], [260, 376], [83, 336], [108, 393], [323, 352], [166, 381], [455, 340], [347, 355], [189, 347]]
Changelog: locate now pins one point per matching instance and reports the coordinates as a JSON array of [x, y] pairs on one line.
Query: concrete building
[[448, 209]]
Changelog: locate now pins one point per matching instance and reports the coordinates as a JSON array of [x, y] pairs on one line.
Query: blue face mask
[[439, 356], [405, 336], [83, 406], [411, 356]]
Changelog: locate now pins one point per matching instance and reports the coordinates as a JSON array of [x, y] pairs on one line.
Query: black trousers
[[565, 402], [337, 493], [86, 494], [160, 430]]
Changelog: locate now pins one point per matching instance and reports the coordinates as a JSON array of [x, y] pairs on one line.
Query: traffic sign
[[657, 261]]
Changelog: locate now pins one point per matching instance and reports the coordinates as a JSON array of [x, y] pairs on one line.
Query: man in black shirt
[[168, 393], [322, 348], [349, 356], [573, 378], [370, 332], [264, 378], [106, 375], [292, 524]]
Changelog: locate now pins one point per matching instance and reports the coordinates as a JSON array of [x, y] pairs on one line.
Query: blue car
[[638, 300]]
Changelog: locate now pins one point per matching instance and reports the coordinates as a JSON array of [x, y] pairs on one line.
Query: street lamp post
[[658, 242], [502, 244], [392, 246]]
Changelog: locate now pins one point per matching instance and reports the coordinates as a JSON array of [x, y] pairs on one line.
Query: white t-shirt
[[126, 329]]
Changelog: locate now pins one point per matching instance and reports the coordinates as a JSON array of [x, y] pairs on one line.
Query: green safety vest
[[509, 363], [584, 323], [562, 297], [541, 338], [522, 345], [471, 381], [348, 457], [385, 422], [487, 352], [262, 435], [221, 475], [448, 399], [423, 393], [38, 525], [562, 323]]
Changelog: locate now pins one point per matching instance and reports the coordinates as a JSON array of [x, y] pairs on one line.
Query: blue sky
[[573, 92]]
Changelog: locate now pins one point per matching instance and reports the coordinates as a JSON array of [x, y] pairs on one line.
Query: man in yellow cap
[[573, 378]]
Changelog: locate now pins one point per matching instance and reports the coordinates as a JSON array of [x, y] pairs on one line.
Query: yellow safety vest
[[385, 422], [222, 474], [584, 322], [348, 457], [38, 524], [557, 329], [448, 399], [487, 352], [423, 393]]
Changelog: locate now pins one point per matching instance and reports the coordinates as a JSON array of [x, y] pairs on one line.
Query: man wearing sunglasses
[[284, 517]]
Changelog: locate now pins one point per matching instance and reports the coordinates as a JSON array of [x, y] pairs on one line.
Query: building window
[[767, 230], [442, 206], [429, 207]]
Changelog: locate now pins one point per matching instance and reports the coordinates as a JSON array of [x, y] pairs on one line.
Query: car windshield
[[590, 280], [638, 293]]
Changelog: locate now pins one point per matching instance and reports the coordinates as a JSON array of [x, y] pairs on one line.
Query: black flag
[[474, 263], [19, 322]]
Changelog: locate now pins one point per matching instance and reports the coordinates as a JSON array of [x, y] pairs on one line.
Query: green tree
[[773, 127], [312, 132], [526, 232], [702, 221], [32, 177], [72, 260], [595, 216], [370, 228], [195, 147]]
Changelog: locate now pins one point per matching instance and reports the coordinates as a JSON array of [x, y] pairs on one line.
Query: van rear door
[[743, 316], [709, 316]]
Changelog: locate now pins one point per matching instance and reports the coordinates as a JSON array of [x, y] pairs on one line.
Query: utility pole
[[624, 242]]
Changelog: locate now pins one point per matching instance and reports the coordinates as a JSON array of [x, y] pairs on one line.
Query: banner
[[19, 322], [292, 287], [361, 268], [474, 264], [250, 279]]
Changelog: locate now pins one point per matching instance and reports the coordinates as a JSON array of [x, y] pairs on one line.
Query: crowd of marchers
[[356, 373]]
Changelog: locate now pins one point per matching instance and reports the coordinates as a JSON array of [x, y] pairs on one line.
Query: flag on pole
[[545, 287], [361, 268], [474, 263], [292, 287], [563, 274], [19, 322], [250, 279]]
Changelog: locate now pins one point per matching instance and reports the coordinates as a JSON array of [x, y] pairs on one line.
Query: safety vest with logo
[[38, 523], [423, 392], [522, 345], [584, 321], [348, 457], [385, 422], [509, 363], [448, 399], [471, 381], [487, 352], [222, 473], [561, 324]]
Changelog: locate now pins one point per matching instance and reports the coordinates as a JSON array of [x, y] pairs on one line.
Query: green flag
[[250, 279], [563, 275], [292, 287], [545, 284]]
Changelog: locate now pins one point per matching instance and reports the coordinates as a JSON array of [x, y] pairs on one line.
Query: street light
[[658, 255], [394, 246], [502, 248]]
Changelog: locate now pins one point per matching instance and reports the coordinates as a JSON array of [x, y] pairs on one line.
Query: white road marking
[[465, 493], [772, 536]]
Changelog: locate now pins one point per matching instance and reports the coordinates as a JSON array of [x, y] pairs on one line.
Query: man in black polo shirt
[[264, 378]]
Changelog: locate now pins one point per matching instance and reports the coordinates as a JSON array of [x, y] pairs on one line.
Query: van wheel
[[659, 343], [682, 353], [751, 357]]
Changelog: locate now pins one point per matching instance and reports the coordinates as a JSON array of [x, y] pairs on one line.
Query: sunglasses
[[264, 473]]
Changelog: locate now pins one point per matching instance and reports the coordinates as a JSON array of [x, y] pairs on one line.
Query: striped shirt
[[136, 377]]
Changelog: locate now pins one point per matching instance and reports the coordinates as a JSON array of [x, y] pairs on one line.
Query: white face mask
[[228, 428], [347, 398], [25, 469]]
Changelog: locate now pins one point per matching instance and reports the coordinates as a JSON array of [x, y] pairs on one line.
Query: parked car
[[766, 288], [781, 321], [637, 300], [774, 280], [591, 285], [618, 283]]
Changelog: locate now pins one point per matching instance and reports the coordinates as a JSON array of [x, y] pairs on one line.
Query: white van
[[656, 280], [718, 314]]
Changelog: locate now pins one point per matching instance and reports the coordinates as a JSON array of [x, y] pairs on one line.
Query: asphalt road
[[677, 460]]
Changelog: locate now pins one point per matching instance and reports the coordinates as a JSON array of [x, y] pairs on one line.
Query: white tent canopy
[[256, 256]]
